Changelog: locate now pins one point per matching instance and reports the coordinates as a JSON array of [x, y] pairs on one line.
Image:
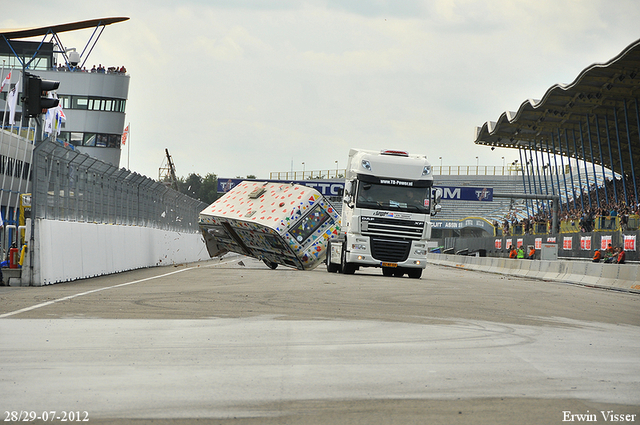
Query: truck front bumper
[[360, 253]]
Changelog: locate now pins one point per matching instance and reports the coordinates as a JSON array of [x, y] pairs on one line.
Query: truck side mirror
[[437, 195], [348, 193], [436, 209]]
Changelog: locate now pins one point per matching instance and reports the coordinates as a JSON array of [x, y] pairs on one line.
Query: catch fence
[[73, 186]]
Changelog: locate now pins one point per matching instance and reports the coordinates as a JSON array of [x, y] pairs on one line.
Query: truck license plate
[[389, 265]]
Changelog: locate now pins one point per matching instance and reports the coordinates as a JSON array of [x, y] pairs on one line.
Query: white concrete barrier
[[612, 276], [67, 251]]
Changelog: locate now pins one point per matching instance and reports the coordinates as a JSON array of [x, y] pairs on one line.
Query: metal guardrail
[[438, 170], [307, 175], [72, 186], [476, 170]]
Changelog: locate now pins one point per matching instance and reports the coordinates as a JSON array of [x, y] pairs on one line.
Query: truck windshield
[[394, 198]]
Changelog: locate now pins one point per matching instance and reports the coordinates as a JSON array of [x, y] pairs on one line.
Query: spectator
[[624, 221], [532, 253], [609, 255], [520, 253], [597, 256], [512, 252], [94, 70], [621, 255]]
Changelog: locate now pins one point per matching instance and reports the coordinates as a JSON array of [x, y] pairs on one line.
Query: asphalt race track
[[233, 342]]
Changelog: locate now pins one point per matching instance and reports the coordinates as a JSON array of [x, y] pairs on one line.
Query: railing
[[476, 170], [72, 186], [438, 170], [452, 170], [606, 224], [541, 228], [601, 224], [307, 175]]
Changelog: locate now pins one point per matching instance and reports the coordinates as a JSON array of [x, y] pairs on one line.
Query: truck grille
[[389, 250], [391, 238], [391, 228]]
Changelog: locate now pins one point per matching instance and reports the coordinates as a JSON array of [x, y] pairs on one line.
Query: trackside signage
[[326, 187], [334, 188], [466, 193]]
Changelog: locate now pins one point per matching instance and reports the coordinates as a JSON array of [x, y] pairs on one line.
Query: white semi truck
[[386, 214]]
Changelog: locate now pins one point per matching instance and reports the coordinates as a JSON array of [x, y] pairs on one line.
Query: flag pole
[[129, 145]]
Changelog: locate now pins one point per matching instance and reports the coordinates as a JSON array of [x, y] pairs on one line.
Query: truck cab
[[387, 205]]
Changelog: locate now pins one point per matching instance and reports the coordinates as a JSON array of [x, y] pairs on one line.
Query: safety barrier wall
[[610, 276], [91, 219], [69, 251]]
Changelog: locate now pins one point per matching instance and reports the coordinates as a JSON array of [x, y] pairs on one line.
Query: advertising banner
[[326, 187], [332, 188], [538, 243], [567, 243], [464, 193], [629, 242]]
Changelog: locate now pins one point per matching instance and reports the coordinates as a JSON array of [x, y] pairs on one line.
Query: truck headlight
[[420, 252], [426, 170], [359, 246]]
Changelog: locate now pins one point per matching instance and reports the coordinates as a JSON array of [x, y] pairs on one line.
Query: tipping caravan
[[386, 214], [278, 223]]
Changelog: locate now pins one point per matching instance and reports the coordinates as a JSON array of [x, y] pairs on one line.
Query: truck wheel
[[270, 264], [415, 273], [387, 271], [347, 268], [331, 268]]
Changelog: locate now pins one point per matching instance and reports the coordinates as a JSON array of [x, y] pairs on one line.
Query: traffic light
[[36, 99]]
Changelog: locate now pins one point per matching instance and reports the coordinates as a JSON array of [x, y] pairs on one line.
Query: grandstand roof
[[73, 26], [601, 105]]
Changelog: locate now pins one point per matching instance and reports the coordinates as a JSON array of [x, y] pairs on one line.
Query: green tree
[[191, 186], [205, 189], [209, 189]]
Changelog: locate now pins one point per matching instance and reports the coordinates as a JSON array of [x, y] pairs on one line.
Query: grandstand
[[593, 124], [505, 180]]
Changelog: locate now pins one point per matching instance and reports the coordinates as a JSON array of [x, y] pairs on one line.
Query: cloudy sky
[[237, 87]]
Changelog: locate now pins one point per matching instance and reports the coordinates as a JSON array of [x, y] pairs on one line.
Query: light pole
[[503, 161], [440, 158], [336, 169], [303, 169]]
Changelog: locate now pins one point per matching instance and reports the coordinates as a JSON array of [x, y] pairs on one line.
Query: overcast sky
[[243, 87]]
